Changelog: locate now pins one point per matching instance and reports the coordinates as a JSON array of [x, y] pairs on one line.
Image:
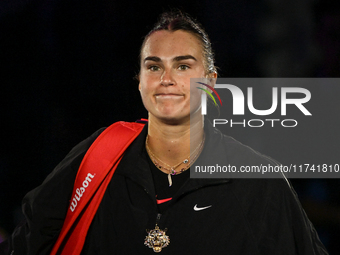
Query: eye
[[183, 67], [154, 68]]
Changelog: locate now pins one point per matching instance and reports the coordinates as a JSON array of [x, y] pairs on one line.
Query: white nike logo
[[201, 208]]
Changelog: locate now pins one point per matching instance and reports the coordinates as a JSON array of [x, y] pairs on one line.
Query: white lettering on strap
[[80, 191]]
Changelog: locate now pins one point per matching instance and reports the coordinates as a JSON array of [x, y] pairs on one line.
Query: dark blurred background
[[67, 68]]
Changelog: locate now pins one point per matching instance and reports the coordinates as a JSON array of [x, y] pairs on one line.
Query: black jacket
[[246, 216]]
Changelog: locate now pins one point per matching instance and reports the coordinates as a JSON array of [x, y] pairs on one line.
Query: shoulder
[[63, 175], [269, 206], [233, 151], [75, 156], [240, 152]]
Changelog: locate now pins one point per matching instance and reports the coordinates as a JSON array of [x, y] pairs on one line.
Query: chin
[[174, 119]]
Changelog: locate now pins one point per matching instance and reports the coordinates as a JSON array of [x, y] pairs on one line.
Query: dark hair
[[178, 20]]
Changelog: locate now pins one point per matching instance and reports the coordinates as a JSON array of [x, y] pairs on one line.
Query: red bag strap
[[93, 177]]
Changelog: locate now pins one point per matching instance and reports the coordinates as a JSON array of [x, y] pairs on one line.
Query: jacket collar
[[134, 163], [213, 143]]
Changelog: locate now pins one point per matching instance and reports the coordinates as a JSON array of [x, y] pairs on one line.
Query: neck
[[171, 143]]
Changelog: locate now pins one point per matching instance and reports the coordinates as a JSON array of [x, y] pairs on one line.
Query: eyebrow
[[179, 58], [155, 59], [175, 59]]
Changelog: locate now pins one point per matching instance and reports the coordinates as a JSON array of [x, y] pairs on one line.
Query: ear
[[212, 78], [213, 75], [139, 85], [137, 79]]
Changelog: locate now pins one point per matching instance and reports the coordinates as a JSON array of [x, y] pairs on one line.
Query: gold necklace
[[172, 169]]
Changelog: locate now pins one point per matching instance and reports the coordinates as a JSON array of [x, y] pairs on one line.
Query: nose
[[167, 78]]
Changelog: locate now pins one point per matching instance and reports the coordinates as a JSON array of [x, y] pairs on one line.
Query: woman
[[151, 205]]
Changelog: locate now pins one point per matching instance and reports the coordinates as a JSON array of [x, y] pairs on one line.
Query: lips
[[168, 96]]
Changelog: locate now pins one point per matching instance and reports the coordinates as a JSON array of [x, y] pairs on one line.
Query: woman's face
[[168, 61]]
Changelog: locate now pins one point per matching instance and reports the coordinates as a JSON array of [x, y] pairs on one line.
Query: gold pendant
[[157, 239]]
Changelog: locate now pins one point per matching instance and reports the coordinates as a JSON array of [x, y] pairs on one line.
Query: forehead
[[165, 43]]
